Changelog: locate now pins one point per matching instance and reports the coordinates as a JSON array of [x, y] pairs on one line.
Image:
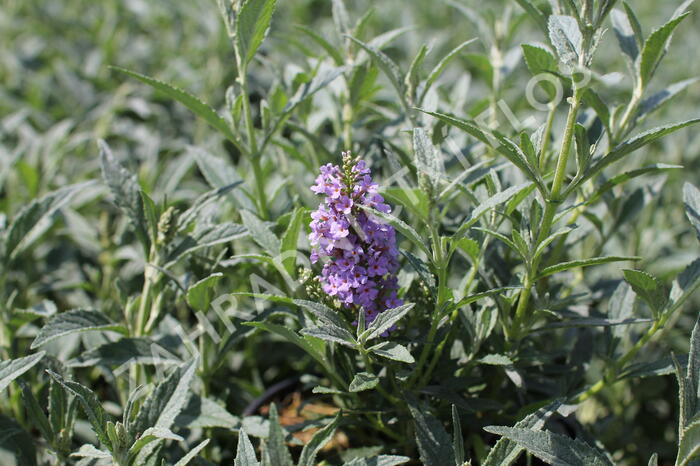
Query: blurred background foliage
[[58, 96]]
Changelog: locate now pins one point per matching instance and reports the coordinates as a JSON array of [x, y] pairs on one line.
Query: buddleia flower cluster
[[358, 250]]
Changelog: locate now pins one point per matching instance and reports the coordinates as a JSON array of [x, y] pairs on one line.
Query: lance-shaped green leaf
[[689, 445], [75, 321], [626, 176], [584, 263], [126, 351], [566, 37], [386, 64], [363, 381], [490, 203], [205, 237], [36, 413], [683, 287], [332, 334], [323, 77], [457, 439], [37, 217], [384, 321], [393, 351], [320, 438], [468, 126], [439, 68], [192, 454], [292, 337], [505, 451], [220, 174], [539, 60], [663, 366], [165, 402], [200, 294], [381, 460], [535, 13], [290, 238], [327, 46], [659, 98], [647, 287], [245, 453], [202, 413], [261, 233], [427, 160], [625, 34], [434, 443], [195, 105], [94, 411], [406, 230], [13, 368], [322, 312], [252, 26], [691, 199], [277, 452], [655, 48], [553, 448]]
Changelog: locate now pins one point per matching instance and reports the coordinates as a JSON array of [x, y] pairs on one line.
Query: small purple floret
[[363, 259]]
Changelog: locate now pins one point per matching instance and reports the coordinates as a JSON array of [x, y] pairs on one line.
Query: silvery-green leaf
[[252, 26], [75, 321], [683, 287], [320, 438], [633, 144], [261, 233], [553, 448], [220, 174], [434, 443], [490, 203], [691, 199], [457, 439], [659, 98], [96, 414], [200, 294], [427, 159], [125, 351], [322, 312], [655, 48], [35, 218], [165, 402], [90, 451], [384, 321], [13, 368], [331, 333], [363, 381], [381, 460], [386, 64], [505, 451], [245, 453], [394, 351], [203, 412], [625, 34], [566, 37], [647, 287], [192, 454], [197, 107], [277, 452], [552, 269]]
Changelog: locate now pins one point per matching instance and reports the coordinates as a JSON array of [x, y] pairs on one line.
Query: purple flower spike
[[361, 252]]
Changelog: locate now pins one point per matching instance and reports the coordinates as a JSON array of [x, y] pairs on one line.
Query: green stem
[[549, 212], [142, 316], [546, 136]]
